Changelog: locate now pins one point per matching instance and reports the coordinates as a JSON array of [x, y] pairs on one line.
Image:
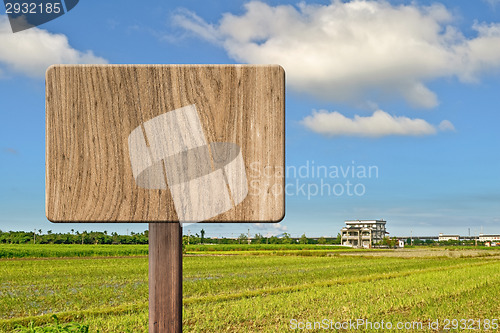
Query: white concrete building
[[489, 238], [444, 238], [363, 233]]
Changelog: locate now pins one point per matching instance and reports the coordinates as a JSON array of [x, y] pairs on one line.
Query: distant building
[[444, 238], [489, 238], [363, 233]]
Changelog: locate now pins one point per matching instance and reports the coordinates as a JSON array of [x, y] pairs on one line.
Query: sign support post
[[165, 277]]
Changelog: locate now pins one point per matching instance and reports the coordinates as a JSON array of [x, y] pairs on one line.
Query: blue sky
[[410, 88]]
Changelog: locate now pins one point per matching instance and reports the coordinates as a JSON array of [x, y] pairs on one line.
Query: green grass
[[55, 327], [69, 250], [251, 293], [263, 247], [65, 250]]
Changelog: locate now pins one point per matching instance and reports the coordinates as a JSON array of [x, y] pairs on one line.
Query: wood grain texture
[[92, 109], [165, 278]]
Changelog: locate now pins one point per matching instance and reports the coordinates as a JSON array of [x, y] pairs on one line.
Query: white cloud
[[271, 229], [446, 125], [192, 22], [280, 226], [379, 124], [355, 51], [493, 3], [30, 52]]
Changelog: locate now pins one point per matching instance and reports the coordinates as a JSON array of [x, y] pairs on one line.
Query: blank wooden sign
[[152, 143]]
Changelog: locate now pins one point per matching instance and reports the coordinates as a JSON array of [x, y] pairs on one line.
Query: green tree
[[390, 242], [338, 240], [202, 236], [286, 238], [242, 238], [274, 240], [258, 239], [303, 239]]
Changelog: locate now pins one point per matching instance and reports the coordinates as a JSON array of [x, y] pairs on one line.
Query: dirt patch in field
[[419, 253]]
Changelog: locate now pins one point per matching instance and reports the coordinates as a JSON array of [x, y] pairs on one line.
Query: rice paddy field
[[104, 289]]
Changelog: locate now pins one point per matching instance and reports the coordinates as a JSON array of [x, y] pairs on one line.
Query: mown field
[[239, 291]]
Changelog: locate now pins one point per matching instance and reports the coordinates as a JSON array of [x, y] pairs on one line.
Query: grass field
[[248, 292], [69, 250]]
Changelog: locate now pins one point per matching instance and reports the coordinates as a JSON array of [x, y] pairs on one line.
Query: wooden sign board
[[154, 143]]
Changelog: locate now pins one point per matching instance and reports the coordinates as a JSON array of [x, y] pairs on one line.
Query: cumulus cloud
[[379, 124], [30, 52], [271, 229], [357, 50]]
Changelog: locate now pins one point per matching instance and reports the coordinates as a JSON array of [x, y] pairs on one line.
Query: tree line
[[73, 237], [285, 238], [103, 237]]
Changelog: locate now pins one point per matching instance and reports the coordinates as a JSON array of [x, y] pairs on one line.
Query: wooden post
[[165, 277]]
